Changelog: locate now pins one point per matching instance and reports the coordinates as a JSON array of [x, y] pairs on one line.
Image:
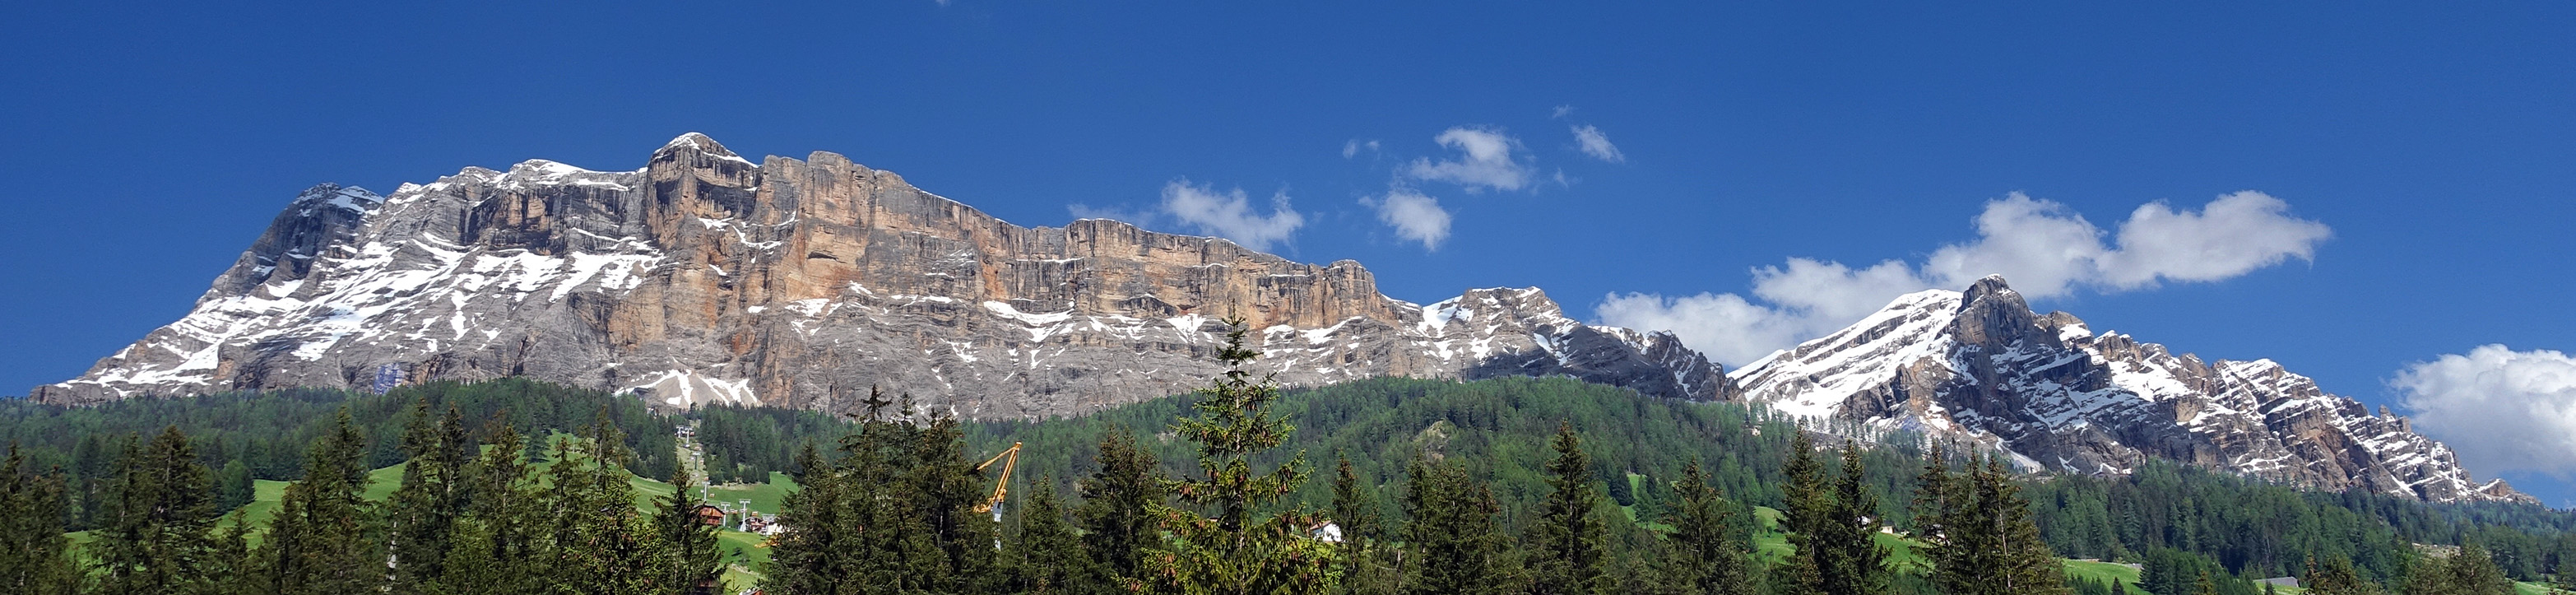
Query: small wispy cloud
[[1352, 148], [1485, 161], [1596, 144], [1560, 112]]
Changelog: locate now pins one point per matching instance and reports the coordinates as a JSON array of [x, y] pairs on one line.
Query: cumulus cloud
[[2501, 410], [1485, 161], [1230, 214], [1596, 144], [1724, 325], [1414, 215], [2042, 247]]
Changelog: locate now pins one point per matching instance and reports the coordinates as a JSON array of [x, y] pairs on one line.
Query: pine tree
[[811, 559], [1238, 551], [1807, 514], [2473, 571], [1708, 548], [155, 521], [691, 555], [1117, 502], [160, 509], [234, 568], [1364, 571], [1567, 556], [595, 540], [1453, 544], [498, 547], [1981, 535], [35, 557], [1046, 556], [423, 513], [1953, 551], [320, 541], [2334, 577], [2204, 586], [947, 492], [1851, 561]]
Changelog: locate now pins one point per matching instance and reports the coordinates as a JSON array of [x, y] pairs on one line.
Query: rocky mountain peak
[[694, 143], [2062, 398], [1994, 316], [705, 277]]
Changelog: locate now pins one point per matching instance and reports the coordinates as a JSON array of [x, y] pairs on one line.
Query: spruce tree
[[35, 557], [1364, 571], [1220, 543], [234, 568], [1850, 561], [499, 546], [320, 542], [2021, 561], [1045, 556], [1708, 547], [1453, 544], [946, 492], [811, 559], [2334, 577], [1953, 551], [1118, 502], [690, 556], [156, 537], [1567, 555], [595, 540], [423, 513], [1807, 514], [2473, 571]]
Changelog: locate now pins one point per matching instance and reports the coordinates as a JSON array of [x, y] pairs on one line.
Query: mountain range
[[704, 277]]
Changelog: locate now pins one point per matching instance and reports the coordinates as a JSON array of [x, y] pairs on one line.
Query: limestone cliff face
[[705, 277], [1980, 364]]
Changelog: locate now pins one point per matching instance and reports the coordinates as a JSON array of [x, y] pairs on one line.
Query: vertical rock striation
[[706, 277]]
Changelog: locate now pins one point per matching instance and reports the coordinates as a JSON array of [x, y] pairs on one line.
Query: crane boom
[[1010, 458]]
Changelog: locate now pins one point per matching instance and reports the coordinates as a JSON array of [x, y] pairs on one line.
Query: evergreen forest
[[1513, 485]]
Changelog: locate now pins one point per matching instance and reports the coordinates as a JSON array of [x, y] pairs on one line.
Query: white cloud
[[1415, 216], [1351, 148], [2042, 247], [2236, 233], [1485, 162], [1560, 112], [1725, 326], [1596, 144], [2501, 410], [1230, 215]]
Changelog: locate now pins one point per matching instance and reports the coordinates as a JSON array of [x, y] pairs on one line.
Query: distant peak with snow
[[1979, 365]]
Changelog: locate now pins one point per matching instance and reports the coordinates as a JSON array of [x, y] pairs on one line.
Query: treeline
[[247, 436], [2265, 530], [898, 510], [473, 513]]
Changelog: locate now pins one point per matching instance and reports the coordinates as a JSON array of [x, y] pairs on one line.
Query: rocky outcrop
[[706, 277], [1981, 365]]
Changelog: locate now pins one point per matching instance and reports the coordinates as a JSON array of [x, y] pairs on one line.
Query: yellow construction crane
[[1001, 487]]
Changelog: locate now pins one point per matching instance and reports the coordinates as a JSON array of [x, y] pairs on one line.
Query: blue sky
[[2434, 146]]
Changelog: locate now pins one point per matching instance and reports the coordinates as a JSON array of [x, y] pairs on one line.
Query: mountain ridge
[[1980, 364], [705, 277]]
